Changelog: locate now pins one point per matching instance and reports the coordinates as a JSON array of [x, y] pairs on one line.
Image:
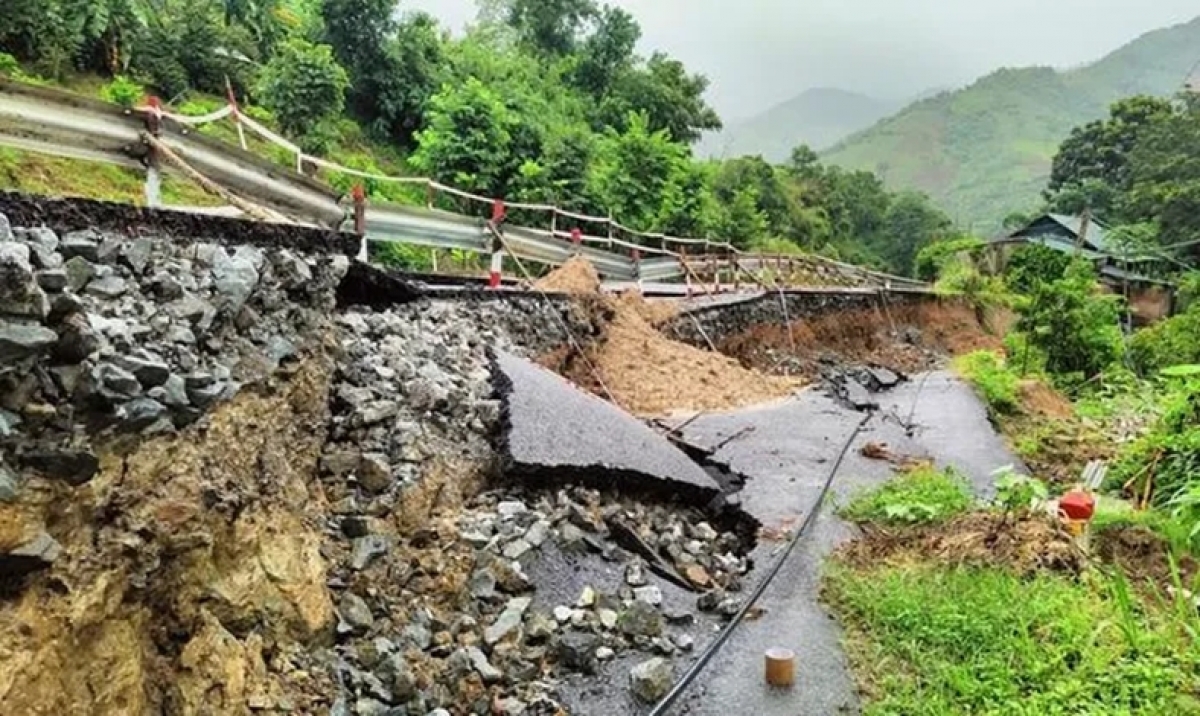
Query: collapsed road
[[241, 473]]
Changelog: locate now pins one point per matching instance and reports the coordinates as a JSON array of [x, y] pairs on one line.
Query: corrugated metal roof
[[1096, 233]]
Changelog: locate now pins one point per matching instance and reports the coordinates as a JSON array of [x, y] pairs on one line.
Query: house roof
[[1097, 233]]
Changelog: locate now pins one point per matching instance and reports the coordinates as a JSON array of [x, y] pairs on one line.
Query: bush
[[122, 91], [1073, 323], [304, 87], [923, 495], [933, 258], [1169, 455], [9, 67], [991, 376], [1032, 265], [1166, 343]]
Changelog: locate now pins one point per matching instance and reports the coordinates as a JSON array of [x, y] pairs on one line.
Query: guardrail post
[[737, 279], [153, 182], [577, 238], [687, 273], [637, 268], [237, 114]]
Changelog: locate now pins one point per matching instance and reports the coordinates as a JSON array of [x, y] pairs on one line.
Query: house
[[1150, 298]]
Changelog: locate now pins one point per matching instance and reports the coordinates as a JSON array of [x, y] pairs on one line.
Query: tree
[[666, 94], [1164, 178], [304, 86], [1092, 167], [550, 27], [468, 139], [1073, 324], [911, 223], [633, 169], [607, 53]]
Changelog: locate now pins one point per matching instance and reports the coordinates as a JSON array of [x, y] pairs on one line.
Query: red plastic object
[[1078, 505]]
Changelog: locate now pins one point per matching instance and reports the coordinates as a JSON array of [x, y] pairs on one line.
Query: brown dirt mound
[[1026, 546], [653, 312], [1040, 399], [649, 374], [1140, 553], [577, 275], [864, 335]]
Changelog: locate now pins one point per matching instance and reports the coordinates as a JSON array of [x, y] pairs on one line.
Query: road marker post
[[781, 668], [497, 265]]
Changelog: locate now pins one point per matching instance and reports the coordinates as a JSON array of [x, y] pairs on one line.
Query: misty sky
[[760, 52]]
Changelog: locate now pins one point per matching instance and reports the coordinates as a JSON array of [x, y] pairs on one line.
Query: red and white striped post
[[637, 268], [359, 195], [154, 116], [497, 266], [577, 238]]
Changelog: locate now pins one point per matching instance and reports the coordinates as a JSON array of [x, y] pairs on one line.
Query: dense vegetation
[[541, 100], [984, 151]]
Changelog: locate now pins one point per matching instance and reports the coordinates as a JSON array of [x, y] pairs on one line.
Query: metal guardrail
[[59, 123]]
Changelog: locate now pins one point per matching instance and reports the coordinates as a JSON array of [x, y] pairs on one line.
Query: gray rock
[[651, 680], [53, 280], [75, 467], [684, 642], [197, 312], [374, 472], [19, 341], [172, 392], [83, 244], [206, 396], [6, 233], [635, 574], [511, 510], [538, 533], [8, 423], [79, 272], [76, 339], [180, 334], [641, 619], [480, 663], [417, 635], [20, 294], [509, 620], [235, 280], [32, 556], [651, 595], [377, 411], [355, 613], [517, 548], [367, 549], [166, 287], [608, 618], [398, 676], [136, 254], [510, 707], [539, 628], [605, 653], [482, 585], [115, 382], [107, 288], [141, 413], [577, 651], [370, 707], [150, 369], [9, 485]]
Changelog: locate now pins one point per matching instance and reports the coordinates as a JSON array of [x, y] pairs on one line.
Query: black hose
[[681, 686]]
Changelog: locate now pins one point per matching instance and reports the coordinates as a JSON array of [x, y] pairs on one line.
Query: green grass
[[991, 376], [927, 641], [920, 496], [32, 173]]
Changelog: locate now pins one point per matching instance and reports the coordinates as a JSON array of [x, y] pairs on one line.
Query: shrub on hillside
[[920, 496], [304, 87], [1073, 323], [996, 383], [123, 91], [1166, 343]]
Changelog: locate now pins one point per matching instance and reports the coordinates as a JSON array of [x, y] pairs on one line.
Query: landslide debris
[[647, 373]]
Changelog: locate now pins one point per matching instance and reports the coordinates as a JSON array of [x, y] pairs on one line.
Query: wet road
[[787, 457]]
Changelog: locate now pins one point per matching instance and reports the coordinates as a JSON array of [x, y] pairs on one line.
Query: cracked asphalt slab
[[554, 433]]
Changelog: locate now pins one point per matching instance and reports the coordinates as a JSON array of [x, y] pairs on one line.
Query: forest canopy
[[539, 100]]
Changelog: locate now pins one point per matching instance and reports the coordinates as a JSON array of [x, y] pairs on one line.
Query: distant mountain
[[985, 150], [818, 117]]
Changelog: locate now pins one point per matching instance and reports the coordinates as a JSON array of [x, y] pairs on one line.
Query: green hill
[[818, 117], [984, 151]]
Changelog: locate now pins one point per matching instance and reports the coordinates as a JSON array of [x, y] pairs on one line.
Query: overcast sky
[[761, 52]]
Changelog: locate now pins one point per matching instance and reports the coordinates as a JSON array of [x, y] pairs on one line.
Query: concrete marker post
[[497, 265], [780, 668]]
